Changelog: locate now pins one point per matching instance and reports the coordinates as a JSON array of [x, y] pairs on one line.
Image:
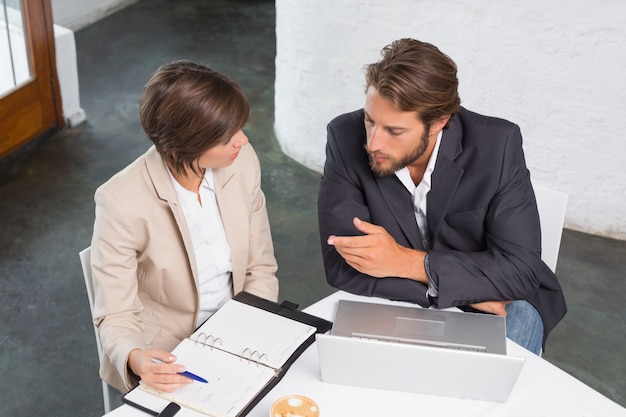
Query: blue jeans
[[524, 325]]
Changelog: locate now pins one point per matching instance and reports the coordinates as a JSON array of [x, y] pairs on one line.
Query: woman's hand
[[157, 369]]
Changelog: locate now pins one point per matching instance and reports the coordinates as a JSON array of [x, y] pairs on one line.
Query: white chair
[[551, 205], [109, 394]]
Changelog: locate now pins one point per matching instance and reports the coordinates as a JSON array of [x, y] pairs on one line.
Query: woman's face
[[223, 154]]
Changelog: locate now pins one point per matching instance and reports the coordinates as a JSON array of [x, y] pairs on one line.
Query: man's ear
[[439, 124]]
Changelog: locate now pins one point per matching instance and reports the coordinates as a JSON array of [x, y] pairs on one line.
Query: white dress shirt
[[419, 193]]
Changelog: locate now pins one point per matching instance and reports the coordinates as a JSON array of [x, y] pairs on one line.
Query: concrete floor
[[47, 349]]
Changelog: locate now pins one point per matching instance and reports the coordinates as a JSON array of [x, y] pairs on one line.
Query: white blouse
[[209, 244]]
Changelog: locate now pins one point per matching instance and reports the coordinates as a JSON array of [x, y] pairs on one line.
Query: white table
[[541, 390]]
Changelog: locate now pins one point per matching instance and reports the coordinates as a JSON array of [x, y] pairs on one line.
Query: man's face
[[395, 138]]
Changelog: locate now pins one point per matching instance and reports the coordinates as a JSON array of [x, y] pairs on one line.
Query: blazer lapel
[[227, 197], [445, 177], [160, 176], [400, 204], [235, 221], [162, 183]]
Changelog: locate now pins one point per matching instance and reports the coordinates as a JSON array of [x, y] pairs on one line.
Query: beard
[[397, 164]]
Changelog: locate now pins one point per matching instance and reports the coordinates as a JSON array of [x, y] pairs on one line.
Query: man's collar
[[404, 175]]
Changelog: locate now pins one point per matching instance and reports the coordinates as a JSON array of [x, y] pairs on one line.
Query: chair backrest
[[551, 205], [109, 394], [85, 261]]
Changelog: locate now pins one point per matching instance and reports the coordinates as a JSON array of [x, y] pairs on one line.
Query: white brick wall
[[556, 68]]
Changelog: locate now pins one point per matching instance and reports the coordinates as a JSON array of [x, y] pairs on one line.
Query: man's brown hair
[[416, 76]]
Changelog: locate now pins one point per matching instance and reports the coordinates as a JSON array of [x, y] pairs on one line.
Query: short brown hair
[[416, 76], [188, 108]]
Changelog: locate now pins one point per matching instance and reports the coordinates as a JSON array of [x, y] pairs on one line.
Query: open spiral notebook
[[243, 350]]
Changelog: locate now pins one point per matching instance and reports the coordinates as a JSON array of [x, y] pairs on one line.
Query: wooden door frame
[[17, 107]]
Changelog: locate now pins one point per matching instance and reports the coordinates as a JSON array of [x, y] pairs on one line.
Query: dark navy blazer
[[481, 210]]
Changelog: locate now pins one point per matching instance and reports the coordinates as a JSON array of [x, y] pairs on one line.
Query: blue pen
[[186, 373]]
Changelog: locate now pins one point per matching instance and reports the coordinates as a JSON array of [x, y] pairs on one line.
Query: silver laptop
[[418, 350], [439, 328]]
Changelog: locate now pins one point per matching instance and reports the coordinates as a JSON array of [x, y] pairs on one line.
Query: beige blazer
[[143, 263]]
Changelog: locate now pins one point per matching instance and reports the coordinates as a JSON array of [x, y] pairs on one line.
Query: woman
[[181, 229]]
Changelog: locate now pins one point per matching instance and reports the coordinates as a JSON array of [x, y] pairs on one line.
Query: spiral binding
[[208, 340], [251, 355]]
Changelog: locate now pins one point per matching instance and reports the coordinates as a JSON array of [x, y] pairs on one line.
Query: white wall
[[554, 67], [67, 71], [70, 16], [76, 14]]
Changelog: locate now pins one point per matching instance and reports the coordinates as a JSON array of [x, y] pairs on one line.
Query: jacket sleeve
[[114, 268]]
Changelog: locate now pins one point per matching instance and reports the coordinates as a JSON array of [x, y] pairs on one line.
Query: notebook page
[[253, 333], [233, 381]]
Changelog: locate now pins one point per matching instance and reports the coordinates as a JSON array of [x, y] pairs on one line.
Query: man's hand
[[161, 376], [378, 254], [494, 307]]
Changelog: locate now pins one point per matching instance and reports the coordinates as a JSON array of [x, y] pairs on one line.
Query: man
[[422, 200]]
